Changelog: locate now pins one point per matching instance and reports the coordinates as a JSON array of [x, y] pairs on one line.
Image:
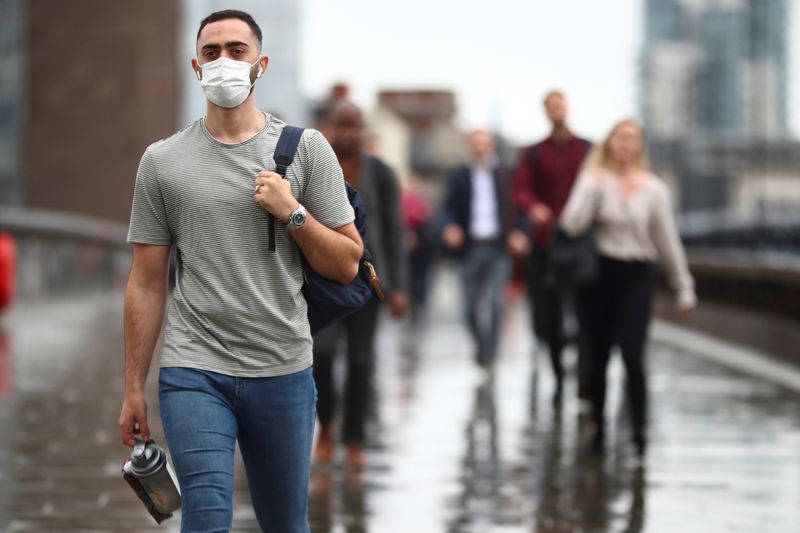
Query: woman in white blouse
[[631, 211]]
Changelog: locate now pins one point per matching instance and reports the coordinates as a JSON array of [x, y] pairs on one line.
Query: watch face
[[298, 219]]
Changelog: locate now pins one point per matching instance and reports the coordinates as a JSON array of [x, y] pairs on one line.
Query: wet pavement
[[452, 449]]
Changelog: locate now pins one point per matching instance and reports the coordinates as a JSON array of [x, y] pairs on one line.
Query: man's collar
[[563, 137], [491, 163]]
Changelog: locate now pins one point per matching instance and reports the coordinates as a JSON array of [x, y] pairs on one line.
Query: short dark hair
[[226, 14]]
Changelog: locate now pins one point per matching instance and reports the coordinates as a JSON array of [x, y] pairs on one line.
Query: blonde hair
[[600, 156]]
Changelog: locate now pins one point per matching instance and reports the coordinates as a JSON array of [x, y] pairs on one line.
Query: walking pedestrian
[[631, 211], [543, 180], [419, 216], [237, 351], [322, 111], [480, 224], [380, 194]]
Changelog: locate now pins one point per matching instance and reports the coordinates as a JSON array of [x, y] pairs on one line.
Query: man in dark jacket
[[481, 226], [543, 180], [380, 194]]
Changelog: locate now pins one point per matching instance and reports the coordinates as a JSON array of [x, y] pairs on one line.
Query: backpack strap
[[283, 156]]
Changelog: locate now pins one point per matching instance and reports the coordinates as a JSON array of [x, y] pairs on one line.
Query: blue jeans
[[204, 413], [484, 274]]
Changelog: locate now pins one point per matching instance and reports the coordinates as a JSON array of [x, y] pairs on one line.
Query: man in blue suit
[[482, 227]]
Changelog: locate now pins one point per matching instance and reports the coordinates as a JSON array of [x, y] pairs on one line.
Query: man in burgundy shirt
[[543, 180]]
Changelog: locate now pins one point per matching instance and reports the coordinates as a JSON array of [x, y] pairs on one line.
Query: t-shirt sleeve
[[324, 196], [148, 214]]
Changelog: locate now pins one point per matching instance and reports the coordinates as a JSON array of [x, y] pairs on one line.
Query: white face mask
[[226, 82]]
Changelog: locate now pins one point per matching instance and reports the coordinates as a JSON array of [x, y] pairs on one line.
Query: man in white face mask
[[236, 357]]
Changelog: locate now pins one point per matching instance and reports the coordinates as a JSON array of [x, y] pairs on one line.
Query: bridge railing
[[61, 252], [751, 262], [773, 232]]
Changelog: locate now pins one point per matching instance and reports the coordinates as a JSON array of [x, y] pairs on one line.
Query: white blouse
[[640, 227]]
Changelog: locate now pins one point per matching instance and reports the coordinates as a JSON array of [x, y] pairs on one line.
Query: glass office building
[[739, 85]]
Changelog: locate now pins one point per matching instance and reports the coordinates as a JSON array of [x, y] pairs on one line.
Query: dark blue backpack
[[328, 300]]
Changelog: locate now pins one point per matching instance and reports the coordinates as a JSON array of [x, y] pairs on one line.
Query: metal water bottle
[[148, 473]]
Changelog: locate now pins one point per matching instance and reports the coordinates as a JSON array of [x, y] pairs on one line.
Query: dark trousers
[[620, 315], [419, 266], [548, 303], [358, 333], [484, 273]]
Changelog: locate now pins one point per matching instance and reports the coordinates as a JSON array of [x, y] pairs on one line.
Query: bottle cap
[[146, 457]]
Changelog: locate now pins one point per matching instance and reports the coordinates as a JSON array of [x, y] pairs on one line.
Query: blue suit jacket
[[457, 206]]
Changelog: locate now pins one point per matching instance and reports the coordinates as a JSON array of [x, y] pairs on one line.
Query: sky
[[499, 56]]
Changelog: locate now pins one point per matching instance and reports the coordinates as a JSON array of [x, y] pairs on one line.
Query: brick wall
[[102, 84]]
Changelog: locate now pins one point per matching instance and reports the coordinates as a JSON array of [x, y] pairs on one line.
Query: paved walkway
[[452, 450]]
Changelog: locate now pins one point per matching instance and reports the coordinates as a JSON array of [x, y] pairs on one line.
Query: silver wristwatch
[[297, 218]]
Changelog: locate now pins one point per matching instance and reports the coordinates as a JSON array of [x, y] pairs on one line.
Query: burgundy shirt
[[545, 174]]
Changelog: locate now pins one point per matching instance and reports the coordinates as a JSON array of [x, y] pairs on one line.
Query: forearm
[[333, 254], [144, 314], [670, 248], [680, 279]]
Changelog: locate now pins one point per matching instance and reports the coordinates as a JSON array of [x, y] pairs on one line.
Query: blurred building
[[767, 78], [99, 88], [664, 20], [730, 60], [11, 100], [278, 91], [86, 86], [714, 82], [389, 138], [436, 143]]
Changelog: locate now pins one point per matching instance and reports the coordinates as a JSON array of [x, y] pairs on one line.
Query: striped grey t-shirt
[[237, 308]]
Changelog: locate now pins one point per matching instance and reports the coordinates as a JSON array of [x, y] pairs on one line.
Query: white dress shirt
[[484, 222]]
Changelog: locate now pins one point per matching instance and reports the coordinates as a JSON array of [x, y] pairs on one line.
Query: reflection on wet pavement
[[452, 449]]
